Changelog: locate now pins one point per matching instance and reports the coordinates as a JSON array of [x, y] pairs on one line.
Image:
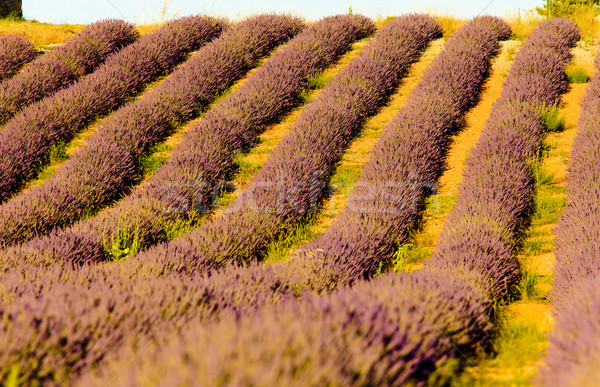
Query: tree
[[554, 8], [10, 8]]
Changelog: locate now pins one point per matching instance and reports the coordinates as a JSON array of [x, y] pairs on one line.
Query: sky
[[140, 11]]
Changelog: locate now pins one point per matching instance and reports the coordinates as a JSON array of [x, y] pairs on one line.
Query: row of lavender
[[27, 138], [87, 313], [106, 166], [61, 67], [572, 356], [209, 147], [15, 52], [392, 331], [289, 185]]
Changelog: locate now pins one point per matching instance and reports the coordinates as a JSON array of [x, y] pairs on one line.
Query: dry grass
[[589, 25], [45, 36], [522, 22], [42, 35], [533, 312], [147, 28], [380, 21], [450, 24]]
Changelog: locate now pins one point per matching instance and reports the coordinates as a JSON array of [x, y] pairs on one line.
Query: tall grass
[[522, 22], [586, 18], [154, 17]]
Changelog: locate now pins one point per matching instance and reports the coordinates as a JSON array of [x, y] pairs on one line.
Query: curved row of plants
[[59, 68], [572, 355], [103, 169], [82, 327], [207, 151], [294, 177], [15, 52], [26, 140]]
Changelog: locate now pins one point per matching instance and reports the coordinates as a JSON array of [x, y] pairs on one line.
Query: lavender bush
[[572, 356], [27, 138], [15, 52], [63, 322], [106, 166], [59, 68]]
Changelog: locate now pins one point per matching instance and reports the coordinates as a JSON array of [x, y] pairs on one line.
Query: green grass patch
[[553, 119], [244, 170], [549, 198], [439, 204], [548, 209], [577, 74], [517, 346], [126, 244], [406, 256], [527, 287], [304, 97], [520, 344], [290, 240], [58, 152], [536, 246], [56, 156], [149, 164], [318, 81], [182, 226], [12, 380], [345, 179], [541, 174]]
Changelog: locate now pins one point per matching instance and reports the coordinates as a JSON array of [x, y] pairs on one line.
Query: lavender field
[[281, 202]]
